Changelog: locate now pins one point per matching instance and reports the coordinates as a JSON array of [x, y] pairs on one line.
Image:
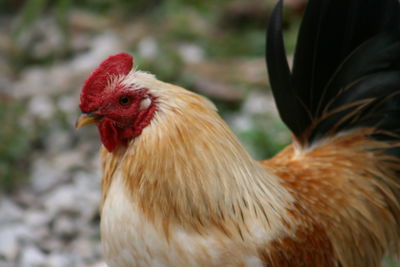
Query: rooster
[[178, 188]]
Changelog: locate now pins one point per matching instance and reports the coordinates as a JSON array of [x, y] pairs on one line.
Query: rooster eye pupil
[[124, 100]]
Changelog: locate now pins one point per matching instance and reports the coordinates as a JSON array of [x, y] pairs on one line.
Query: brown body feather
[[187, 174], [347, 197]]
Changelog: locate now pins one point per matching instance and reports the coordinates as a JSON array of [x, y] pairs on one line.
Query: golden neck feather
[[188, 168]]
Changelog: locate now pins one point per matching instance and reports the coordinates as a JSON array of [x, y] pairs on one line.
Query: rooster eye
[[124, 100]]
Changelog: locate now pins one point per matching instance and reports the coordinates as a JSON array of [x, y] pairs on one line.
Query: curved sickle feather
[[279, 75], [340, 42]]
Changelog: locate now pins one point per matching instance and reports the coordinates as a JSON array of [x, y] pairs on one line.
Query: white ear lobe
[[145, 103]]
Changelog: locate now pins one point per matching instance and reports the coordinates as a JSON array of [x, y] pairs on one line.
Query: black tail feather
[[346, 71], [279, 76]]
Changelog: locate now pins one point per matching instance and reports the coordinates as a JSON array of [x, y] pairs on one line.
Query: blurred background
[[49, 172]]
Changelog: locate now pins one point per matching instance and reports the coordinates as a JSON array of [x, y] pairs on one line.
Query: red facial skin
[[118, 108], [122, 121]]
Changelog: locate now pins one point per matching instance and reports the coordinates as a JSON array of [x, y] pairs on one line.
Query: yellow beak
[[86, 119]]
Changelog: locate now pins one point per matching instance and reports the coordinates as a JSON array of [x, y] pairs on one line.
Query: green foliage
[[124, 7], [389, 262], [29, 14], [249, 43], [32, 11], [8, 7], [265, 143], [62, 8], [15, 146], [290, 35]]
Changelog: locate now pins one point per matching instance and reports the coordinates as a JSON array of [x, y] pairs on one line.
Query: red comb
[[119, 64]]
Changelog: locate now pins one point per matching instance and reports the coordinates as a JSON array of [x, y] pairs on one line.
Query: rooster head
[[120, 108]]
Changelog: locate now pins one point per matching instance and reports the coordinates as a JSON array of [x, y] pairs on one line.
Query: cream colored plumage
[[186, 193]]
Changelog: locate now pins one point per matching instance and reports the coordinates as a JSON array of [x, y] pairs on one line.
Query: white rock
[[68, 160], [41, 106], [45, 176], [38, 224], [84, 248], [66, 76], [191, 53], [9, 246], [39, 234], [89, 185], [63, 199], [102, 46], [65, 227], [240, 122], [96, 167], [52, 245], [259, 103], [148, 48], [58, 260], [31, 256], [33, 81], [26, 197], [68, 104], [98, 264], [36, 218], [58, 141], [10, 212], [87, 181]]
